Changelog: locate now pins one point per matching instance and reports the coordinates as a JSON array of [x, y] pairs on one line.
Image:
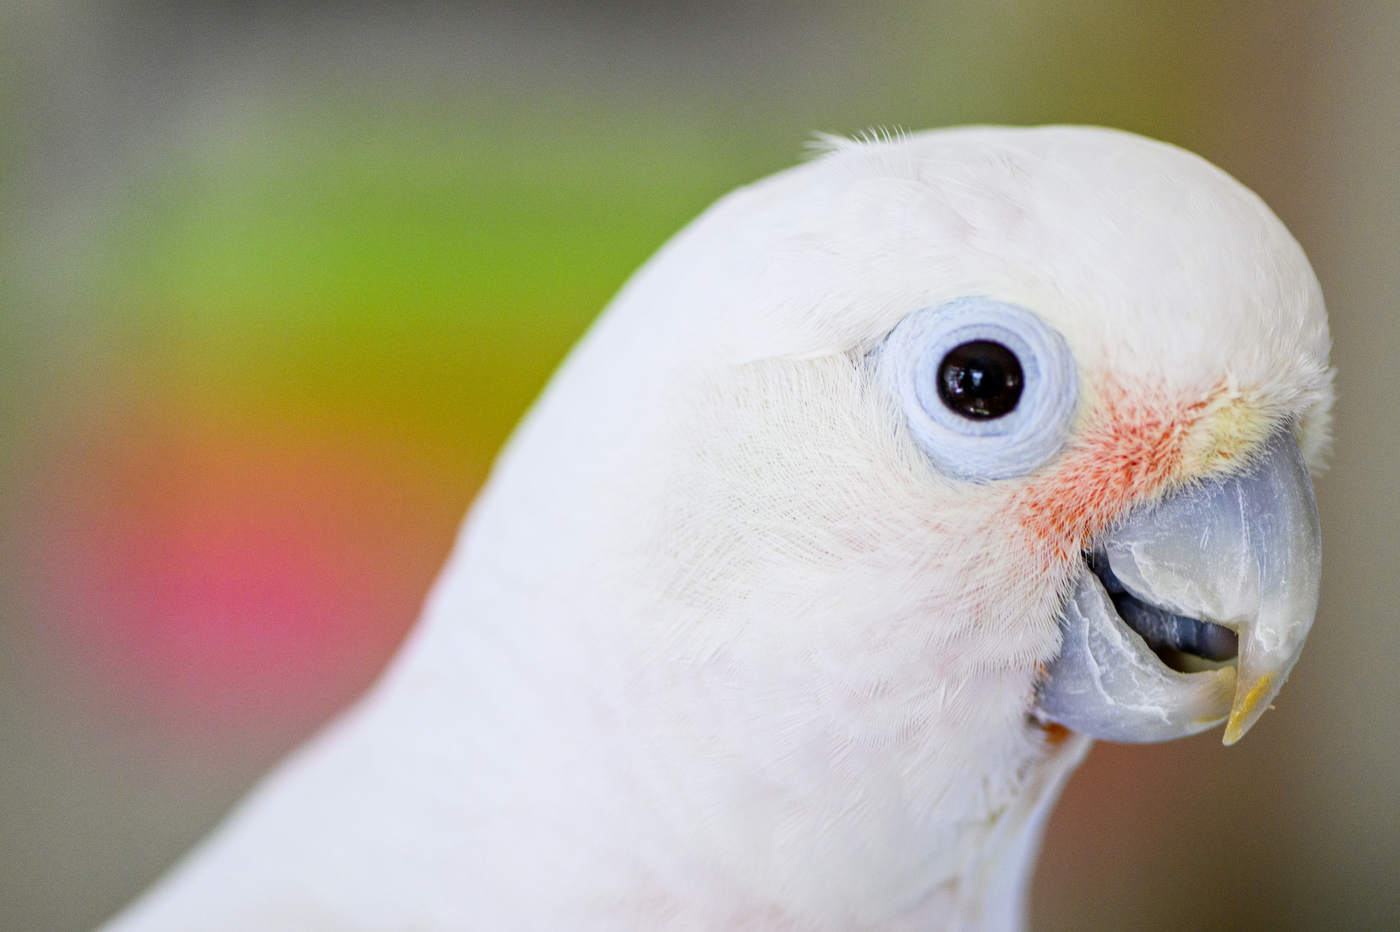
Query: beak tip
[[1250, 703]]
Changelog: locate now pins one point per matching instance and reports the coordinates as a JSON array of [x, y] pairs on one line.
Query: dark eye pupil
[[980, 380]]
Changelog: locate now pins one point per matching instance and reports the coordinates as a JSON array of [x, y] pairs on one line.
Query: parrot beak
[[1226, 569]]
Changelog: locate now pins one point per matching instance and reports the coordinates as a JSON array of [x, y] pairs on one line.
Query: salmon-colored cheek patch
[[1131, 452]]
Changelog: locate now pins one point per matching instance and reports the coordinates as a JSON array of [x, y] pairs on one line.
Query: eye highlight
[[980, 379], [989, 389]]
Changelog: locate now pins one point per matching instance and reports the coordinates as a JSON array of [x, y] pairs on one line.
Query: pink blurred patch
[[221, 578]]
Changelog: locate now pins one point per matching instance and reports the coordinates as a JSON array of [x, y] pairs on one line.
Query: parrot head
[[893, 462], [885, 487]]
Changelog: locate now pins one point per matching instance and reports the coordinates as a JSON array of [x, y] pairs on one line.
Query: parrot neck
[[579, 785]]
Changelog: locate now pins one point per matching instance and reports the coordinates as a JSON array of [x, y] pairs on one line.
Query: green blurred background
[[276, 279]]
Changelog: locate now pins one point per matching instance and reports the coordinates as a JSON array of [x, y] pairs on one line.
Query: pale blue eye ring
[[1014, 444]]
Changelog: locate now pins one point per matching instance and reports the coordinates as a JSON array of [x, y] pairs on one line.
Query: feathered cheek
[[1116, 463]]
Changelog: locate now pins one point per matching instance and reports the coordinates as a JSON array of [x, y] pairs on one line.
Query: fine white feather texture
[[719, 647]]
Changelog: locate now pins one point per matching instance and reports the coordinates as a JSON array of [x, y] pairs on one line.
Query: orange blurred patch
[[205, 575]]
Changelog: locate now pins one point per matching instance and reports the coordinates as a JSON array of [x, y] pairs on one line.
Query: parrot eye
[[980, 379], [988, 388]]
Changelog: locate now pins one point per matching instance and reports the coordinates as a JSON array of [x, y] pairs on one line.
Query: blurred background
[[277, 278]]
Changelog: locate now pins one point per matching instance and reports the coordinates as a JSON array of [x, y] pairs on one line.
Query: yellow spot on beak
[[1259, 692]]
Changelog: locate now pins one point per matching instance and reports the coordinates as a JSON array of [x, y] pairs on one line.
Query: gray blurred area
[[1297, 827]]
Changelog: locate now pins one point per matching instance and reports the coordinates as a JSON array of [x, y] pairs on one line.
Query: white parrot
[[885, 487]]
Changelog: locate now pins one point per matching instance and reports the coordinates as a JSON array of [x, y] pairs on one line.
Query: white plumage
[[720, 647]]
